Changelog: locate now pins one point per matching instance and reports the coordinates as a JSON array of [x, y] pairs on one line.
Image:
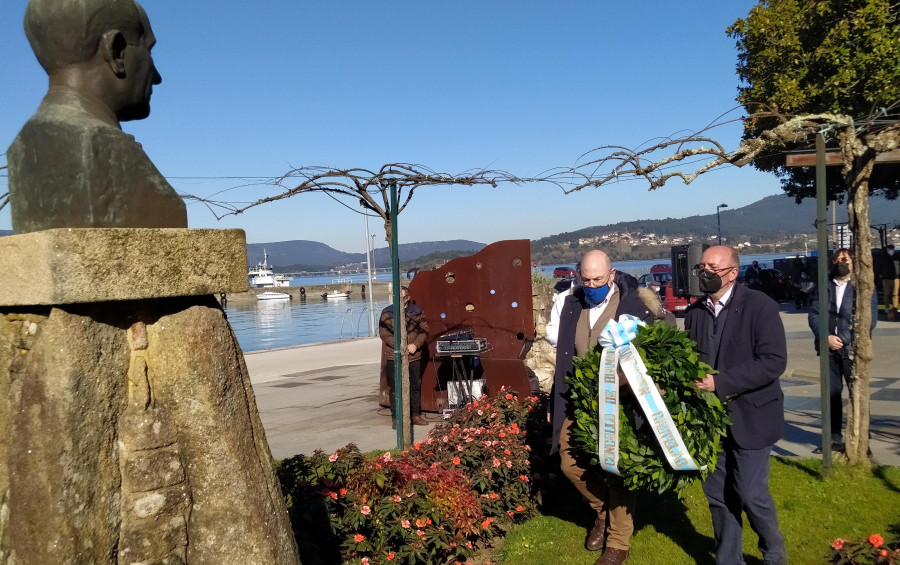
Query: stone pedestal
[[130, 432]]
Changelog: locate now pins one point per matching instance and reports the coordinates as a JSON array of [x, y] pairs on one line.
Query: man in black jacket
[[841, 298], [604, 295], [740, 334]]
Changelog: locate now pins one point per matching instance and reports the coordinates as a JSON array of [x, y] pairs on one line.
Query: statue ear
[[113, 46]]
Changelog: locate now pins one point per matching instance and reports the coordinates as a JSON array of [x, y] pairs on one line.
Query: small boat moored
[[336, 294], [269, 295]]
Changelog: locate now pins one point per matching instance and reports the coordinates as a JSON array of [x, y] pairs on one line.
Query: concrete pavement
[[326, 395]]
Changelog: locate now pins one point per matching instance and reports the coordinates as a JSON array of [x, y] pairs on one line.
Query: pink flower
[[397, 498], [404, 523], [333, 457], [837, 544], [509, 464], [365, 510], [496, 462], [420, 533], [365, 561], [524, 478]]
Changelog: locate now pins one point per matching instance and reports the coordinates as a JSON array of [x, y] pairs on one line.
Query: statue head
[[98, 47]]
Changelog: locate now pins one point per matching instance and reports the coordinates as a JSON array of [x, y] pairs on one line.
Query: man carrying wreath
[[576, 321], [739, 333]]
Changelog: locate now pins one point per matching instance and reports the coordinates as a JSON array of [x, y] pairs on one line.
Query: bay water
[[270, 324]]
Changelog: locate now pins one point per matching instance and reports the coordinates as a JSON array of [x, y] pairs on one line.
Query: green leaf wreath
[[672, 362]]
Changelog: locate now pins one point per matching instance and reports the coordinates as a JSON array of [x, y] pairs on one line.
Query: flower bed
[[871, 551], [436, 502]]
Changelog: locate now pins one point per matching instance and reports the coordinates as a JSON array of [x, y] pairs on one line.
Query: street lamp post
[[719, 220]]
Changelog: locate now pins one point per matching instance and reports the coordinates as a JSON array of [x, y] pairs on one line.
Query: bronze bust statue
[[72, 165]]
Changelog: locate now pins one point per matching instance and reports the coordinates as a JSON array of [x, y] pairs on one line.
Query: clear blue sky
[[254, 89]]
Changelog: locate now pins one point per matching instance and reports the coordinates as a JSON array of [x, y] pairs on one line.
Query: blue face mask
[[594, 296]]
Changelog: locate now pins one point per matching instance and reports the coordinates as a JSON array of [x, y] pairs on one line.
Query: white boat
[[270, 295], [336, 294], [261, 276], [283, 280]]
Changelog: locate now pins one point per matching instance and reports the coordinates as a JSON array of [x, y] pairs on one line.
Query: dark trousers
[[840, 368], [415, 386], [741, 482]]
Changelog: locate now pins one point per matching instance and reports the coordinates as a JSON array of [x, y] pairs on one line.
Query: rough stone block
[[147, 429], [150, 470], [71, 266]]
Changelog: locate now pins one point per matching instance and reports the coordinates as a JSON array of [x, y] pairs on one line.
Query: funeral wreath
[[673, 364]]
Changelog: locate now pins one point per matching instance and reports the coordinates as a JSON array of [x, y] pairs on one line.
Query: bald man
[[740, 334], [575, 325], [72, 165]]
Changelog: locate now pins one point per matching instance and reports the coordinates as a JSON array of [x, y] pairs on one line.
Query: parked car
[[655, 281], [672, 303], [564, 272], [772, 282], [661, 268]]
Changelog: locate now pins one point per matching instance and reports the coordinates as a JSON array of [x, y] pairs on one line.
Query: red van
[[676, 304]]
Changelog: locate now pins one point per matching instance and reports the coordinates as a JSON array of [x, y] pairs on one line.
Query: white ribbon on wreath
[[618, 351]]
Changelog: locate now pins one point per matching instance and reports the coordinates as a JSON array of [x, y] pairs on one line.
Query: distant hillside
[[773, 216], [5, 232], [315, 256]]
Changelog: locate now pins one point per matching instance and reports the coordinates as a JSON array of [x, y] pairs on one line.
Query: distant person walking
[[416, 334], [841, 298], [753, 276], [889, 273]]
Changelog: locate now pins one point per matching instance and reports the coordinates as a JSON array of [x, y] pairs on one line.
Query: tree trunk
[[857, 434]]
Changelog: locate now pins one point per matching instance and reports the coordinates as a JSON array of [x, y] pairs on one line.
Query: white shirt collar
[[716, 307]]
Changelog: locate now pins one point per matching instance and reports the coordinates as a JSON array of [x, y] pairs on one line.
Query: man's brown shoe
[[419, 421], [613, 556], [596, 539]]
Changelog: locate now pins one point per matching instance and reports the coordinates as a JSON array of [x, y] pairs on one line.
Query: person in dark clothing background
[[416, 334], [841, 299]]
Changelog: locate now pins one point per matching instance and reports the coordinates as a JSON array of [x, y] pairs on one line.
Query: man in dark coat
[[740, 334], [841, 298], [416, 334], [604, 295]]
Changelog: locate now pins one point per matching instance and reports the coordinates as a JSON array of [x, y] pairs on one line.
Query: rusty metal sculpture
[[489, 293]]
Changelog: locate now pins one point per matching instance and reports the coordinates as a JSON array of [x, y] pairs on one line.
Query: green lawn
[[851, 504]]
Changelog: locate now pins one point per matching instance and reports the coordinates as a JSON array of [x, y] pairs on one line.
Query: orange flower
[[358, 538], [876, 540], [883, 553], [456, 461], [837, 544], [519, 509], [390, 556], [508, 396]]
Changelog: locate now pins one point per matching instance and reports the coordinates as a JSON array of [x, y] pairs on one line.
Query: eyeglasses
[[701, 267], [596, 281]]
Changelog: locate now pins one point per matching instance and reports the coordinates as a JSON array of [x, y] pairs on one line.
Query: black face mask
[[710, 282], [839, 270]]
